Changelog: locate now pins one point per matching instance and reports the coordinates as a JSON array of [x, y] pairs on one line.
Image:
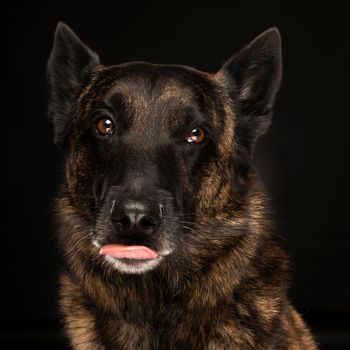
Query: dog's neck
[[200, 282]]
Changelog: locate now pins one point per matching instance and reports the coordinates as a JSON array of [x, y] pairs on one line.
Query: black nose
[[135, 219]]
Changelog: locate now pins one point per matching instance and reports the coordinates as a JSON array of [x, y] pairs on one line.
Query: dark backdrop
[[304, 158]]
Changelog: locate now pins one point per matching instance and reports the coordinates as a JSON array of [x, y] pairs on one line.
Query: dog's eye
[[105, 126], [196, 135]]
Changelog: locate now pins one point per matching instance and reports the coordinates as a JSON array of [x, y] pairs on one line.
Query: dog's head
[[152, 150]]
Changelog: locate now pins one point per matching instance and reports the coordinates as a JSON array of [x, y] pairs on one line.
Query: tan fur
[[79, 323]]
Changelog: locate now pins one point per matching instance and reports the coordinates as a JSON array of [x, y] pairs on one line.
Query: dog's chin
[[133, 266]]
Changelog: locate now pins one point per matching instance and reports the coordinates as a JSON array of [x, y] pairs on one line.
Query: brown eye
[[105, 126], [196, 135]]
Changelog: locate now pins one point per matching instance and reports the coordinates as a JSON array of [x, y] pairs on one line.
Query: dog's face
[[152, 150]]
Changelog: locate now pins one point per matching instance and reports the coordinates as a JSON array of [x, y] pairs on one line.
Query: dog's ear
[[68, 70], [254, 76]]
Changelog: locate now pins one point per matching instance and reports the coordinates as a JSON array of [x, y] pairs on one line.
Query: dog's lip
[[128, 252]]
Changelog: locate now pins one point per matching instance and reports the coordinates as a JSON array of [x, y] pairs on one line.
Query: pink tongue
[[128, 252]]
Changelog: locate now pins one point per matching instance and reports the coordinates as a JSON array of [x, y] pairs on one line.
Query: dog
[[163, 225]]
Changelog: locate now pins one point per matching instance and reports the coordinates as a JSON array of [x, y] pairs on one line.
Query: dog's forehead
[[156, 94], [161, 100]]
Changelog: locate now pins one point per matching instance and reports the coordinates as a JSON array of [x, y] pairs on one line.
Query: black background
[[303, 159]]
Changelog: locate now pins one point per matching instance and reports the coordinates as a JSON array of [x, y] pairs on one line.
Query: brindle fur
[[224, 286]]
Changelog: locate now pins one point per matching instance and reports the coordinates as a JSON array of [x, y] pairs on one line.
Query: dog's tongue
[[128, 252]]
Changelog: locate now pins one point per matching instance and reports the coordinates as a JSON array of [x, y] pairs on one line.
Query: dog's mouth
[[128, 252], [131, 258]]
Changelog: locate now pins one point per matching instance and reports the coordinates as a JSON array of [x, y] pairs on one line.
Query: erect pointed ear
[[68, 70], [254, 76]]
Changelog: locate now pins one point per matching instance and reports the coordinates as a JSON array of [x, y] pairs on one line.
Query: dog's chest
[[174, 328], [170, 333]]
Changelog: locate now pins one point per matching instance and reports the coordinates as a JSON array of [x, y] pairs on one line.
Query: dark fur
[[224, 284]]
